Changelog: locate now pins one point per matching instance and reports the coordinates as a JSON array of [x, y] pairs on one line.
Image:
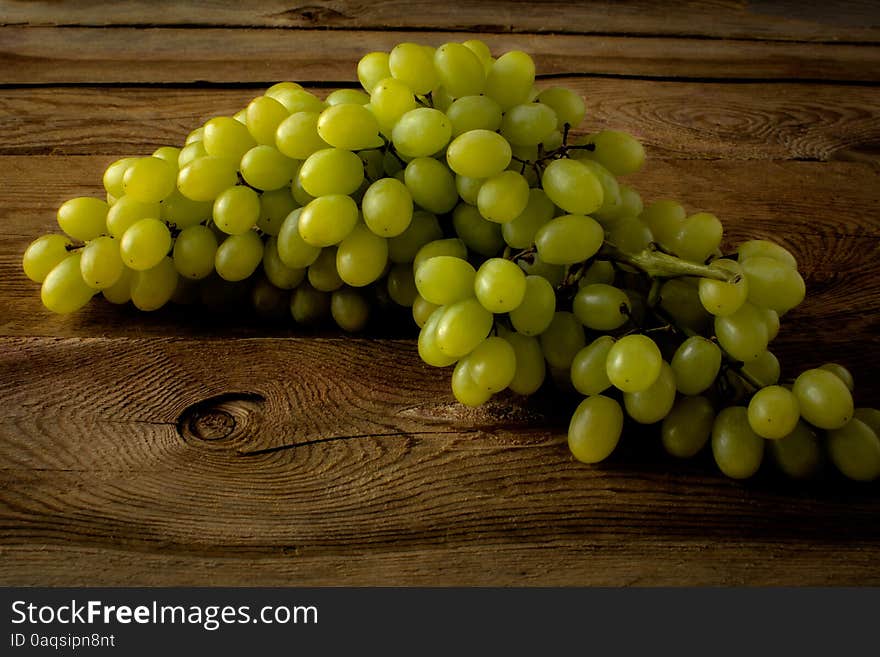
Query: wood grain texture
[[775, 19]]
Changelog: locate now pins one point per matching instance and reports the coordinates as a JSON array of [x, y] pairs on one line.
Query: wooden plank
[[389, 470], [74, 55], [780, 19], [730, 121]]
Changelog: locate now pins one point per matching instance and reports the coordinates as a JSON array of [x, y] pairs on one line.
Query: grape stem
[[656, 263]]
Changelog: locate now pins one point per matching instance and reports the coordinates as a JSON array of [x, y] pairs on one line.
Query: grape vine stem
[[656, 263]]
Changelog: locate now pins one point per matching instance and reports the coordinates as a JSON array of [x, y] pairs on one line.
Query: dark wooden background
[[127, 440]]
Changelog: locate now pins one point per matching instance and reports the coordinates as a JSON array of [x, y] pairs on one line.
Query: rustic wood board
[[177, 449]]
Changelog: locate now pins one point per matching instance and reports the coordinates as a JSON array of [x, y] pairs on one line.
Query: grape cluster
[[454, 186]]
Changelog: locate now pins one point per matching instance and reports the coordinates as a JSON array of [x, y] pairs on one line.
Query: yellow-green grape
[[189, 153], [236, 210], [464, 387], [681, 300], [870, 416], [798, 454], [600, 271], [388, 207], [855, 451], [721, 298], [503, 197], [275, 206], [572, 186], [562, 340], [528, 124], [263, 116], [595, 429], [429, 349], [238, 256], [300, 195], [349, 309], [742, 334], [686, 429], [347, 97], [127, 212], [611, 200], [696, 364], [101, 265], [568, 106], [144, 244], [83, 218], [492, 364], [509, 81], [655, 402], [737, 449], [361, 257], [153, 288], [664, 218], [176, 209], [431, 185], [771, 320], [43, 254], [194, 251], [266, 168], [421, 132], [372, 68], [280, 89], [300, 100], [114, 174], [331, 171], [328, 220], [764, 369], [698, 237], [464, 325], [520, 233], [323, 274], [241, 117], [634, 363], [414, 66], [120, 292], [588, 372], [480, 235], [401, 286], [295, 252], [459, 70], [773, 284], [530, 364], [841, 373], [629, 234], [474, 113], [309, 306], [421, 307], [279, 274], [478, 154], [630, 201], [481, 50], [553, 141], [205, 177], [226, 137], [423, 228], [537, 267], [445, 279], [268, 300], [766, 249], [196, 135], [169, 154], [297, 136], [537, 308], [773, 412], [824, 399], [64, 291], [350, 127], [619, 152], [601, 307], [468, 188], [569, 239], [500, 285], [149, 179], [390, 100], [452, 246]]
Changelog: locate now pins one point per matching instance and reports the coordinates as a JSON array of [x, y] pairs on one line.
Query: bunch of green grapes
[[454, 187]]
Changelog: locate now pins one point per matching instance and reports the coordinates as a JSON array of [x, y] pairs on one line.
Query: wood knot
[[224, 421]]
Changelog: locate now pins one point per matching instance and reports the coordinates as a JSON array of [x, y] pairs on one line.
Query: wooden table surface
[[139, 449]]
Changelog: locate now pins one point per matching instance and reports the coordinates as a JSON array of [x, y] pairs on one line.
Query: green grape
[[241, 117], [264, 115], [295, 252], [742, 334], [537, 308], [611, 200], [196, 135], [520, 233], [445, 279], [601, 307], [144, 244], [431, 185], [764, 369], [562, 340], [773, 284], [503, 197], [388, 207], [510, 80], [464, 387], [664, 218], [841, 373], [773, 412], [414, 66], [698, 237], [595, 429], [189, 153], [238, 256], [737, 449], [149, 179], [297, 136], [278, 274], [401, 286], [120, 292], [468, 188], [83, 218], [478, 154], [114, 174], [300, 195], [630, 201], [572, 186], [347, 97], [43, 254], [350, 127], [568, 106], [681, 300], [349, 309], [459, 70], [423, 228], [696, 364], [328, 220], [153, 288], [448, 247], [686, 429], [331, 171], [798, 454], [288, 94], [629, 234], [569, 239], [266, 168], [766, 249], [492, 365], [553, 141], [177, 209], [634, 363], [421, 132], [600, 271], [771, 321], [500, 285], [474, 113], [236, 210], [870, 416], [429, 349], [617, 151], [390, 100], [323, 274], [63, 290], [101, 265], [720, 298], [464, 325], [855, 451], [588, 372], [479, 234], [537, 267], [275, 206], [530, 365], [372, 68], [127, 212], [226, 137], [528, 124], [361, 257], [655, 402], [268, 300], [481, 50], [309, 306], [194, 251], [824, 399], [204, 178], [374, 164], [421, 307]]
